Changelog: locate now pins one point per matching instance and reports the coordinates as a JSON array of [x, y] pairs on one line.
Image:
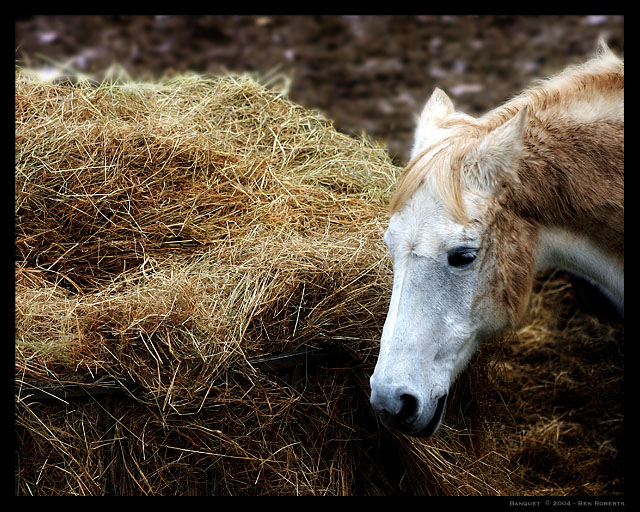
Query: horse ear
[[437, 108], [497, 155], [602, 48]]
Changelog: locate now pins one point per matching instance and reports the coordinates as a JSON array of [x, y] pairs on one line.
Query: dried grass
[[168, 233]]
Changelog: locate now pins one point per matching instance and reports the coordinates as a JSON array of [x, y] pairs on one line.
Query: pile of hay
[[211, 215], [170, 233]]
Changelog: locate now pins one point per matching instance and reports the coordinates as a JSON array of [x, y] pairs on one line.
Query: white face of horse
[[440, 303]]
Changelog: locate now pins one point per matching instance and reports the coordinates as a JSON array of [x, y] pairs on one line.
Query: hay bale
[[195, 206], [166, 234]]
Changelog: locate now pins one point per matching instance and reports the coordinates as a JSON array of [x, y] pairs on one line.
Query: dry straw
[[167, 233]]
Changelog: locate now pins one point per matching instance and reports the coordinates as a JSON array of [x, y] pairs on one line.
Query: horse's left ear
[[497, 155]]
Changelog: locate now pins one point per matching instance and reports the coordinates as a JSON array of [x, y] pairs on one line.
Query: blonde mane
[[579, 94]]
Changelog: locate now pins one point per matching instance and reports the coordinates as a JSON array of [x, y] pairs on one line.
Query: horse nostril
[[395, 407], [408, 408]]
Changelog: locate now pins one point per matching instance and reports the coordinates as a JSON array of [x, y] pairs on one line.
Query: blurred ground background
[[366, 73]]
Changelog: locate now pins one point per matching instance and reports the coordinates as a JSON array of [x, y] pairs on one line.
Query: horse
[[482, 206]]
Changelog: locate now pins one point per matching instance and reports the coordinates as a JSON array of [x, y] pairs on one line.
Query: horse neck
[[572, 188]]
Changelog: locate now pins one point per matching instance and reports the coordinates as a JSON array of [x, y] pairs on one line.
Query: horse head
[[449, 285]]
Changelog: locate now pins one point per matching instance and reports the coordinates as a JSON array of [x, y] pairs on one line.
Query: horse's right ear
[[437, 108]]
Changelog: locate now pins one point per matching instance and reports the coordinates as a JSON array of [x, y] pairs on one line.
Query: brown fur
[[573, 179], [600, 77]]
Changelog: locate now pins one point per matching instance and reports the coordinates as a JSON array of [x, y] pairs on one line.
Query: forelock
[[439, 166]]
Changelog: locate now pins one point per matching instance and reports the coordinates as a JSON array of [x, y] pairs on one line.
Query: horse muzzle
[[406, 412]]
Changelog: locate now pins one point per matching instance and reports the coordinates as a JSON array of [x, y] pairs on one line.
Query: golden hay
[[169, 233], [166, 234]]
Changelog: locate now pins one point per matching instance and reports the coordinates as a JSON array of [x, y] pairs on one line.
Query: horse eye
[[462, 257]]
